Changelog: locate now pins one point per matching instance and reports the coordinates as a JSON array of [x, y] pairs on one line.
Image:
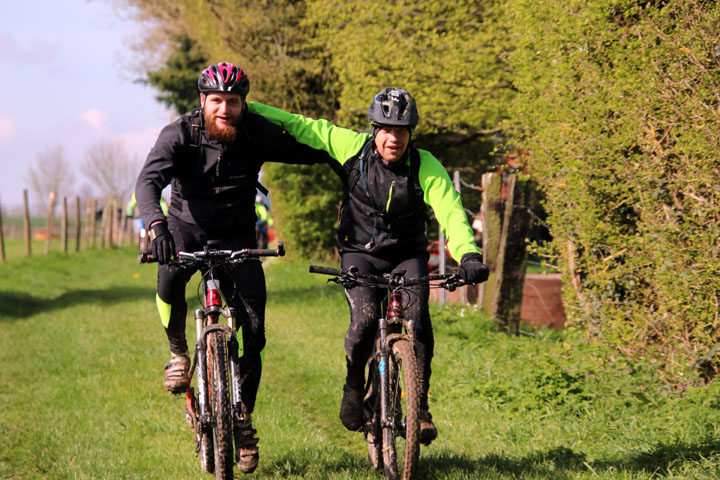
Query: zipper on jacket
[[387, 207]]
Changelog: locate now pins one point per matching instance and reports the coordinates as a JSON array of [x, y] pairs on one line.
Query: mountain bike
[[215, 412], [392, 393]]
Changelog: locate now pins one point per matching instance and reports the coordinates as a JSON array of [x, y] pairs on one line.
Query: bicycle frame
[[206, 321], [218, 345], [389, 330], [392, 362]]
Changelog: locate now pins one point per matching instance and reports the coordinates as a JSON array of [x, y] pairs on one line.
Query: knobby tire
[[220, 403], [401, 455]]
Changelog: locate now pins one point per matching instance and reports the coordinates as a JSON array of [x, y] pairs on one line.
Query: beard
[[223, 135]]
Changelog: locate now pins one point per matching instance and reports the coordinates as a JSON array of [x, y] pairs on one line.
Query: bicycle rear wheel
[[401, 440], [219, 394]]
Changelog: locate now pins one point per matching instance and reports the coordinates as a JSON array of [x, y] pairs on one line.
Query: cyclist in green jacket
[[387, 185]]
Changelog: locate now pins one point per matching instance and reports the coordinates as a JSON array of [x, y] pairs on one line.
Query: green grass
[[81, 397]]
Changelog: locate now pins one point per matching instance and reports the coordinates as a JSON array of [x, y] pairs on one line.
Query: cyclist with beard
[[387, 185], [211, 158]]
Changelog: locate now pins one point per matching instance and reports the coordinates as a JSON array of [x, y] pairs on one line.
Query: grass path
[[81, 395]]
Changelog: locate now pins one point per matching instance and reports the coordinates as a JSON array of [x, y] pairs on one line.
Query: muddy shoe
[[351, 408], [247, 454], [177, 373], [428, 432]]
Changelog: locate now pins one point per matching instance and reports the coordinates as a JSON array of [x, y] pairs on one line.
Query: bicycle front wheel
[[401, 437], [219, 394]]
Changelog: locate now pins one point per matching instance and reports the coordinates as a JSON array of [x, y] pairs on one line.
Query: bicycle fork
[[214, 305], [395, 316]]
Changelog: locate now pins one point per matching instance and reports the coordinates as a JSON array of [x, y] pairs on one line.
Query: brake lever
[[453, 282], [240, 255]]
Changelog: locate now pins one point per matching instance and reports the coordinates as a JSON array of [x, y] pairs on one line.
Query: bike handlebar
[[350, 278], [212, 253], [325, 270]]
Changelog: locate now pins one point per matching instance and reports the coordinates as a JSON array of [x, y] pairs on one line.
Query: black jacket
[[383, 210], [213, 185]]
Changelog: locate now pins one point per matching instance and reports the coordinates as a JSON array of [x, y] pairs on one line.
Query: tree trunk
[[507, 223]]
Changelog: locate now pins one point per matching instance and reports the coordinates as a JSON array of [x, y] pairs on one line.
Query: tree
[[177, 79], [326, 59], [111, 169], [51, 173]]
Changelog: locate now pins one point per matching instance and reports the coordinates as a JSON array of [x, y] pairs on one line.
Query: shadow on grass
[[563, 463], [15, 305], [662, 456]]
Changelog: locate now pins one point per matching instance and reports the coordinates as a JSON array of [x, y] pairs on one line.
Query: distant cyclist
[[388, 184], [212, 158], [143, 241], [264, 222]]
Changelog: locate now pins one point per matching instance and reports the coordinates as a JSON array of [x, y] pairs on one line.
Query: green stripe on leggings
[[164, 309]]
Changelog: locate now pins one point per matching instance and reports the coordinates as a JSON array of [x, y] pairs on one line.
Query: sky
[[67, 79]]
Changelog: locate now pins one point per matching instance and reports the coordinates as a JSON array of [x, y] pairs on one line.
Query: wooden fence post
[[492, 225], [64, 225], [123, 228], [88, 220], [49, 226], [2, 239], [26, 217], [103, 226], [77, 224], [93, 222], [507, 224]]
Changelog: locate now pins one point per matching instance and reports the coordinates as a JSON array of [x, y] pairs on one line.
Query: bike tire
[[371, 428], [220, 402], [401, 443]]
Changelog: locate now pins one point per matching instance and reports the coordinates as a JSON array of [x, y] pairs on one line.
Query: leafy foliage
[[177, 79], [618, 105], [327, 60], [446, 54]]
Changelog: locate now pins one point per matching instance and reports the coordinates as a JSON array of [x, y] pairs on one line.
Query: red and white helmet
[[224, 77]]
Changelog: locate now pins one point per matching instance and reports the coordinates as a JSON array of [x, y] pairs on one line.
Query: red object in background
[[271, 235], [434, 260]]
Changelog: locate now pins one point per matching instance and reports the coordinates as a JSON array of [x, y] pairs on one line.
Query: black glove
[[163, 246], [472, 269]]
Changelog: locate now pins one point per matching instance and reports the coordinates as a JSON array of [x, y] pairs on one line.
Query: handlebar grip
[[325, 270], [147, 258], [268, 252]]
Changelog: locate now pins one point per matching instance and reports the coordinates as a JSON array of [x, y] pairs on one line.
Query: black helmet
[[224, 77], [393, 107]]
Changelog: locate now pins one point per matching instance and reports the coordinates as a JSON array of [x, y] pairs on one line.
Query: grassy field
[[81, 397]]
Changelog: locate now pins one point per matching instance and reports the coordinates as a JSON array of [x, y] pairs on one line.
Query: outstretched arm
[[156, 174], [340, 143], [445, 202]]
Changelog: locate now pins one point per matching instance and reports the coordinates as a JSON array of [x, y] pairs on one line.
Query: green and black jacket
[[384, 206]]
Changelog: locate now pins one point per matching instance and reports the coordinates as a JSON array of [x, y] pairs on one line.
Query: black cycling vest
[[383, 210], [214, 185]]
